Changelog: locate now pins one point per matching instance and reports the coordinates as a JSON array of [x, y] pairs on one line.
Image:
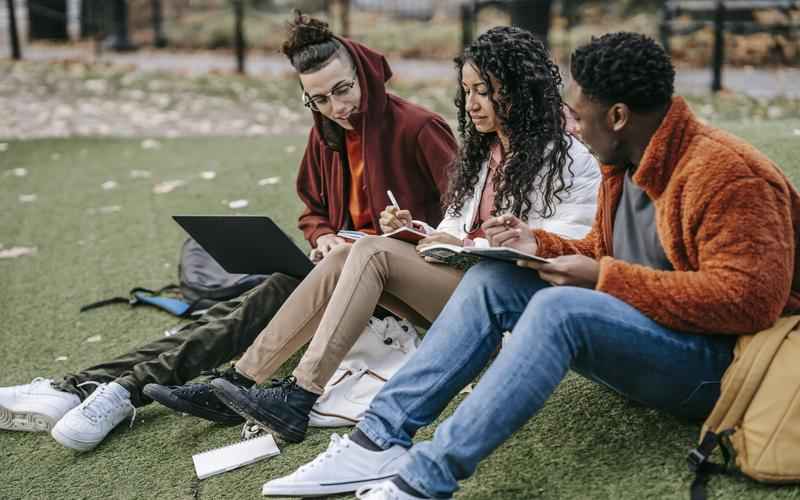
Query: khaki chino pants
[[333, 304]]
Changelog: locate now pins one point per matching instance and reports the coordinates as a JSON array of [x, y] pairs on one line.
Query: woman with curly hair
[[515, 158]]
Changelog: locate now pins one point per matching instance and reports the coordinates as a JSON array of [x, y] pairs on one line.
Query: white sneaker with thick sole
[[344, 467], [34, 407], [386, 490], [85, 426]]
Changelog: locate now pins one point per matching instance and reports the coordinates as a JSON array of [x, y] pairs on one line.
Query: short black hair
[[630, 68]]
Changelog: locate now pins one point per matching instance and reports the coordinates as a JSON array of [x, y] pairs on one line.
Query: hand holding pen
[[393, 217], [509, 231]]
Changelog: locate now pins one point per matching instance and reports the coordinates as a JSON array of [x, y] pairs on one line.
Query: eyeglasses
[[340, 90]]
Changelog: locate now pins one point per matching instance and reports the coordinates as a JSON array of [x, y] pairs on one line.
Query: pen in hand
[[392, 199]]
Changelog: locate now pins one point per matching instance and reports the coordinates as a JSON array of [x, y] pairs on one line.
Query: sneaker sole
[[25, 421], [70, 443], [264, 419], [166, 398], [320, 489]]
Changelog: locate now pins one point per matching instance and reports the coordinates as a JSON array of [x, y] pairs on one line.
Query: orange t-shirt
[[358, 204]]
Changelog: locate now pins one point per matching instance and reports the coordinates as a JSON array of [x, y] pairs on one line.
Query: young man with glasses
[[364, 142]]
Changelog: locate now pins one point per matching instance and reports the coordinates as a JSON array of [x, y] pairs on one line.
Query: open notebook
[[233, 456]]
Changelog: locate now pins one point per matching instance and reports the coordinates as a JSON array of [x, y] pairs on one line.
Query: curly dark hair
[[630, 68], [530, 110]]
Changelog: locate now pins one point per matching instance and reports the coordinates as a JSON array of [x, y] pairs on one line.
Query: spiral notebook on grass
[[233, 456]]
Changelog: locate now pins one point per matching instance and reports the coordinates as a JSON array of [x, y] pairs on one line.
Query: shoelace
[[366, 492], [39, 381], [285, 385], [94, 411], [335, 447]]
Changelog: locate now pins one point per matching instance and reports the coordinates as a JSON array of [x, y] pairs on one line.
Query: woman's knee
[[372, 244], [337, 256]]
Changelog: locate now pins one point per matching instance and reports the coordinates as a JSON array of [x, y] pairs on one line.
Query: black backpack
[[202, 283]]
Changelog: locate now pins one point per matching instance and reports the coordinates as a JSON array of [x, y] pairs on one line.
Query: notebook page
[[233, 456]]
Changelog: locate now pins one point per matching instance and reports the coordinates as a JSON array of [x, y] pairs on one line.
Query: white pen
[[392, 199]]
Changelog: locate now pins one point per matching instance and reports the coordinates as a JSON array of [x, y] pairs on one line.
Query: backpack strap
[[144, 296], [742, 381]]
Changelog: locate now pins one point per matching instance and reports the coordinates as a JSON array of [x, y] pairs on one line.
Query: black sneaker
[[198, 399], [282, 408]]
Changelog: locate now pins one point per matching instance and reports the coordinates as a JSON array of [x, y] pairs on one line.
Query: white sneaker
[[34, 407], [85, 426], [386, 490], [342, 468]]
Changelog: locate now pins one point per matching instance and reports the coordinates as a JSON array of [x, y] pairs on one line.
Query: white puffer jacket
[[573, 217]]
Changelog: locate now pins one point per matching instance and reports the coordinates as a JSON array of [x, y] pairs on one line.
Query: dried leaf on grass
[[94, 338], [269, 181], [17, 172], [15, 252], [109, 209], [168, 186], [150, 144], [140, 174], [27, 198], [109, 185], [208, 175], [236, 204]]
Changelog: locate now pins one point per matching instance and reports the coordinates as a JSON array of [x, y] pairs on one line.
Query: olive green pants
[[222, 333]]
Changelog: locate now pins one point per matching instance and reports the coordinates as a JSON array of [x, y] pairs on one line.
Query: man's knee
[[558, 310], [276, 285], [557, 301]]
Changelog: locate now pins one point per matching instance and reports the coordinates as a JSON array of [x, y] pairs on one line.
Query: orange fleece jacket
[[727, 219]]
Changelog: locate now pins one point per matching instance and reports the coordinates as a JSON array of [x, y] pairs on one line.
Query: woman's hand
[[509, 231], [393, 218], [325, 244]]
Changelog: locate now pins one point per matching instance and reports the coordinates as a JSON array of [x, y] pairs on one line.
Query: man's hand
[[567, 270], [325, 244], [392, 218], [509, 231]]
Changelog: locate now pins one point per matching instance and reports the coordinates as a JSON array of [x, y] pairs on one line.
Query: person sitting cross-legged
[[694, 243]]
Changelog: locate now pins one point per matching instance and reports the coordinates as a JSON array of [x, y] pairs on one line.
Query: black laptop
[[246, 244]]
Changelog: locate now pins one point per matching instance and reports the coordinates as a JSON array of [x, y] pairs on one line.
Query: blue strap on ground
[[174, 306]]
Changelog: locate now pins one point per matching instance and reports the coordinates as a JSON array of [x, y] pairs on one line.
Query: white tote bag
[[383, 347]]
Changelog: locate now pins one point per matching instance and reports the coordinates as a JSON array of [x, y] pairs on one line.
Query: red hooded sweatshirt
[[406, 148]]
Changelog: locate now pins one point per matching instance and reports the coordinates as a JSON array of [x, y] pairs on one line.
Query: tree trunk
[[532, 15]]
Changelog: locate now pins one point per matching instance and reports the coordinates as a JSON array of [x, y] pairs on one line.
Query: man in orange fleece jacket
[[694, 242]]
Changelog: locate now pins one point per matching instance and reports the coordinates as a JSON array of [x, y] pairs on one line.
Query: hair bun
[[303, 31]]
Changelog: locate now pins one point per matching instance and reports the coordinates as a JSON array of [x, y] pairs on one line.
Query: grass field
[[94, 242]]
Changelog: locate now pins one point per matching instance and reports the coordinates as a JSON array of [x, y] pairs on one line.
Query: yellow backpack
[[756, 421]]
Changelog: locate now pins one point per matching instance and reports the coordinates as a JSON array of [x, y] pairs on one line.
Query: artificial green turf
[[586, 443]]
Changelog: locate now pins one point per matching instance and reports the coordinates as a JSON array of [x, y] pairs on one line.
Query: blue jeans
[[553, 329]]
